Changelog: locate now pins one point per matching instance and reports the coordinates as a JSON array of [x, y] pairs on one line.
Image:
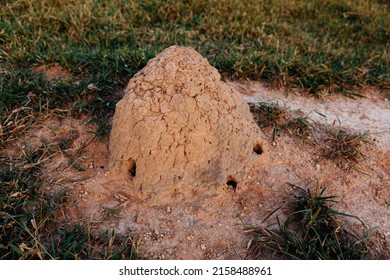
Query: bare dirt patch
[[370, 113], [51, 72]]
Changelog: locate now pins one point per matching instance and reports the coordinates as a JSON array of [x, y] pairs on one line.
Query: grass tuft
[[272, 115], [312, 231], [299, 126], [343, 147], [267, 114]]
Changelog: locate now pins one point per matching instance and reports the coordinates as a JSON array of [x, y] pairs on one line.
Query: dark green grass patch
[[312, 45], [308, 44], [77, 243], [22, 205], [312, 231]]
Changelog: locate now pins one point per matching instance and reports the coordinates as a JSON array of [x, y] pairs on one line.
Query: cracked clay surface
[[179, 125]]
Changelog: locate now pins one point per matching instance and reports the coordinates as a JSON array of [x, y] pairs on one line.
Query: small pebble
[[203, 247]]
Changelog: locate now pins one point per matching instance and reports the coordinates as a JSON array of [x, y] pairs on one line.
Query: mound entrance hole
[[230, 181], [258, 149], [132, 168]]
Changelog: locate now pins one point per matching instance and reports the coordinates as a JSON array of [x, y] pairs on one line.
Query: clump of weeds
[[313, 230], [343, 147], [272, 115], [298, 126], [268, 115]]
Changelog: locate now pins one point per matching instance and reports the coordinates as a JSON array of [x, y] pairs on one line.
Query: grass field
[[313, 46]]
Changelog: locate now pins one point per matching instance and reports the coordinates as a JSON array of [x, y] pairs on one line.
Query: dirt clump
[[51, 72], [179, 125]]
